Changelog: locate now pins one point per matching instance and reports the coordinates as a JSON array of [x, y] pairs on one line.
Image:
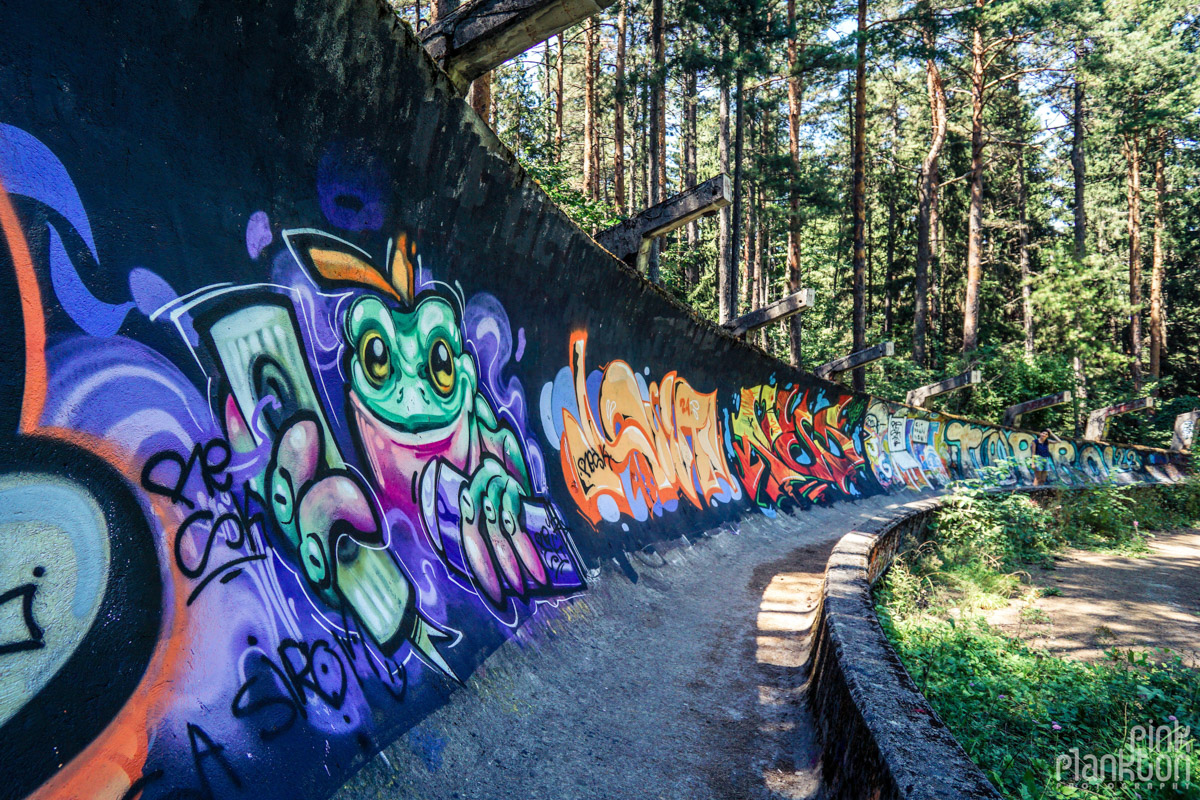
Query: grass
[[1016, 709]]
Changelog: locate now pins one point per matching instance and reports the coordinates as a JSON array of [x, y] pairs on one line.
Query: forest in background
[[1008, 185]]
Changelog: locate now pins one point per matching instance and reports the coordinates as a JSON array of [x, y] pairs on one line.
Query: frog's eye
[[373, 354], [441, 367]]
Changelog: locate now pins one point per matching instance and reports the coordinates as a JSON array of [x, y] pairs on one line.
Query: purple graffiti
[[315, 600], [258, 233]]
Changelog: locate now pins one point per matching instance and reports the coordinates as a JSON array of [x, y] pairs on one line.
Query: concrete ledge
[[881, 738]]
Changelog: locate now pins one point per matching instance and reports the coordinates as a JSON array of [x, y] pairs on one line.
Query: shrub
[[1014, 708], [1100, 515], [1007, 528]]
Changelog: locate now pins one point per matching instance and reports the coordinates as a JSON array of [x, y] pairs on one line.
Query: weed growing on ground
[[1017, 710]]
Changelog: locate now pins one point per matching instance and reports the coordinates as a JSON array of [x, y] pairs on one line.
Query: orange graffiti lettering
[[633, 453]]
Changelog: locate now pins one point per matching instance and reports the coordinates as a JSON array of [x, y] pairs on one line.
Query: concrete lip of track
[[688, 684], [880, 736]]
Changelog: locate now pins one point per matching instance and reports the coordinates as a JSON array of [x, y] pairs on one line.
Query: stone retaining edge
[[881, 738]]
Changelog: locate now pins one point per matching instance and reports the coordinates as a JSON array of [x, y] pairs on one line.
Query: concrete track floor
[[687, 685]]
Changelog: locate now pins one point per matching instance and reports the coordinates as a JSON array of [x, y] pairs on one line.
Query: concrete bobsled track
[[312, 402]]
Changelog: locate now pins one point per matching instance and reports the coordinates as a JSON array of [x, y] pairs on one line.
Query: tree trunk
[[889, 267], [1133, 198], [859, 193], [689, 172], [1158, 323], [1081, 394], [937, 314], [599, 156], [927, 193], [558, 100], [750, 251], [635, 152], [871, 191], [656, 54], [760, 244], [975, 215], [657, 134], [659, 51], [726, 299], [547, 93], [794, 222], [441, 8], [589, 110], [739, 137], [1023, 253], [644, 164], [1079, 166], [619, 116]]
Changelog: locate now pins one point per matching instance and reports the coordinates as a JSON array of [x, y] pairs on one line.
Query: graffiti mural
[[794, 447], [906, 447], [271, 486], [632, 449], [916, 449], [338, 495]]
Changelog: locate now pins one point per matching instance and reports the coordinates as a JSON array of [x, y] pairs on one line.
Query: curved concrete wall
[[880, 734], [311, 398]]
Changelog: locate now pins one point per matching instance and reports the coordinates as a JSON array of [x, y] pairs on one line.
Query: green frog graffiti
[[431, 436], [434, 448], [414, 396]]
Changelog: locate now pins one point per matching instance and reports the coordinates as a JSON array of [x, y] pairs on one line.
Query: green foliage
[[1015, 709], [1138, 63], [555, 180], [1168, 507], [1001, 529], [1098, 517]]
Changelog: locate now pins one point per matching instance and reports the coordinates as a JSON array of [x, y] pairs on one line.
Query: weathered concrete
[[918, 397], [689, 684], [479, 36], [1013, 414], [881, 738], [831, 369], [781, 309], [1185, 430], [1098, 420], [630, 240]]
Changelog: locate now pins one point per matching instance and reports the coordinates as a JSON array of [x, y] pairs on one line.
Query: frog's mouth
[[430, 438], [397, 457]]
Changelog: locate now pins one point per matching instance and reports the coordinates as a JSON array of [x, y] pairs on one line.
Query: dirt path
[[1100, 601]]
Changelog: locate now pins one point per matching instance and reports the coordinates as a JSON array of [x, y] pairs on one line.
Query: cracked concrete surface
[[687, 684]]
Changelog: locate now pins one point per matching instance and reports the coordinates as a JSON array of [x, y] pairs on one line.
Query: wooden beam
[[1185, 430], [831, 369], [1013, 414], [918, 397], [479, 36], [794, 303], [630, 241], [1097, 421]]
